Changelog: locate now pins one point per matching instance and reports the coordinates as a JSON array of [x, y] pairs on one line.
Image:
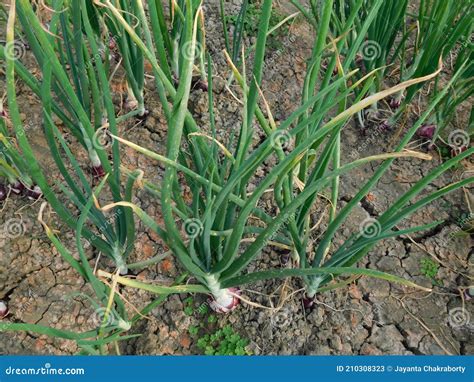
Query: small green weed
[[188, 306], [429, 268], [193, 330], [211, 340], [192, 307], [212, 319], [222, 342]]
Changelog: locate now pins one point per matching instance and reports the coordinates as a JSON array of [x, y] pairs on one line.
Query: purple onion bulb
[[3, 192], [33, 193], [426, 131], [17, 188]]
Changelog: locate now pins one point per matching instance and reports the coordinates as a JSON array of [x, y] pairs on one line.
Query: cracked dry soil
[[368, 317]]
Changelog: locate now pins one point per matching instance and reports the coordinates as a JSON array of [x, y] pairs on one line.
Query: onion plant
[[209, 234], [458, 93], [436, 28], [166, 29], [111, 317], [180, 47], [112, 38], [379, 49], [219, 228], [13, 167], [75, 89], [360, 242], [213, 220], [89, 338], [440, 27], [233, 47], [111, 314]]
